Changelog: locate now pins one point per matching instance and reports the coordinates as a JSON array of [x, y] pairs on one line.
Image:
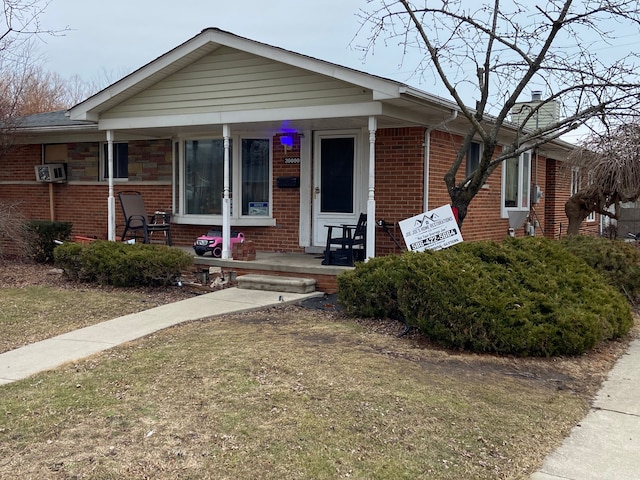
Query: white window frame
[[576, 184], [103, 162], [235, 184], [523, 202], [575, 181], [592, 216]]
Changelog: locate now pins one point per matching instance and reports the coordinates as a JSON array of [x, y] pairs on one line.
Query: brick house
[[307, 143]]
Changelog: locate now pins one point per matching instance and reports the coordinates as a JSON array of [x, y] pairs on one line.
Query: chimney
[[536, 113]]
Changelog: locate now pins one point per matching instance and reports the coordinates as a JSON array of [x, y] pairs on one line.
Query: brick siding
[[399, 190]]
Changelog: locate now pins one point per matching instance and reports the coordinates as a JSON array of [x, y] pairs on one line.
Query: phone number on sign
[[434, 239]]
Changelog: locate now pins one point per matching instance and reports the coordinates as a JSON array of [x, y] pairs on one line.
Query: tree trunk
[[576, 209]]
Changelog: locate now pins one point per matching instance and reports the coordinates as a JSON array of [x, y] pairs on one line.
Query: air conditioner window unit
[[51, 172]]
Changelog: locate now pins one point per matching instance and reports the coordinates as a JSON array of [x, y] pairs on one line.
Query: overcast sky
[[116, 37], [107, 40]]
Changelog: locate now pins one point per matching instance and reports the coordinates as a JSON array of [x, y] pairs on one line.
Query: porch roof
[[394, 103]]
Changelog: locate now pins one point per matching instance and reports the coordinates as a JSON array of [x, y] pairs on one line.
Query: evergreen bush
[[122, 265], [43, 235], [527, 297], [618, 261], [370, 290]]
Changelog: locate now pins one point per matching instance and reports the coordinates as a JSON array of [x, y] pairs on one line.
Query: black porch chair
[[351, 242], [137, 220]]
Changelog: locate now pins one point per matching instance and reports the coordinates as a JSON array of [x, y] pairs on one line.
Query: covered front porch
[[264, 141]]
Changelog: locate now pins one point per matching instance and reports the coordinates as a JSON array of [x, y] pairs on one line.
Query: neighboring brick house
[[308, 143]]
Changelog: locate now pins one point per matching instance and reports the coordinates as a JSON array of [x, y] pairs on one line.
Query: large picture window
[[204, 176], [249, 177], [516, 182]]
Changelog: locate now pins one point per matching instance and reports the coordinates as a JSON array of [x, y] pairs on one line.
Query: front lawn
[[293, 393]]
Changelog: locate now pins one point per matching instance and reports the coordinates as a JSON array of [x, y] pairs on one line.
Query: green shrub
[[68, 257], [519, 297], [618, 261], [43, 235], [370, 289], [120, 264]]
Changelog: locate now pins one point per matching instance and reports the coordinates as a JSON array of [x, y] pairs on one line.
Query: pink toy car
[[212, 242]]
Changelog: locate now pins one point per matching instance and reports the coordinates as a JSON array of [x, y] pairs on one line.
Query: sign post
[[433, 230]]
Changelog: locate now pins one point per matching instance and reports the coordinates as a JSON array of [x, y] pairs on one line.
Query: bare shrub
[[13, 230]]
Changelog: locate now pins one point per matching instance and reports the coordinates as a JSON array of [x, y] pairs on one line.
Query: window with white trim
[[516, 182], [203, 178], [120, 161], [576, 185], [575, 180]]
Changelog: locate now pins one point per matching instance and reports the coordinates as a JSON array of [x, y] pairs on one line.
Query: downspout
[[111, 205], [427, 154]]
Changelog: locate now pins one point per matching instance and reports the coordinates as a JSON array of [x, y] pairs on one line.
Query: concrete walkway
[[48, 354], [605, 445]]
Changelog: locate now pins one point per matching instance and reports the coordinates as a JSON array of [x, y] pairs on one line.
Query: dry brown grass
[[290, 392], [38, 302]]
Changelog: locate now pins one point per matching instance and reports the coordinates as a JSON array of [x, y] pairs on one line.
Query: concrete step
[[276, 283]]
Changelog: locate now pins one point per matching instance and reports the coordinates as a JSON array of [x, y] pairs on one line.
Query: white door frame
[[321, 219]]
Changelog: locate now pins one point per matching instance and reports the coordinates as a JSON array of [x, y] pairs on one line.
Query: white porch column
[[226, 201], [371, 201], [111, 205]]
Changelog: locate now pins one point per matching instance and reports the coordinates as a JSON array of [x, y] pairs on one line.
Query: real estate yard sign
[[433, 230]]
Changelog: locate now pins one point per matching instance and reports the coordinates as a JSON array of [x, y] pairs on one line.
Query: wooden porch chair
[[137, 220], [351, 242]]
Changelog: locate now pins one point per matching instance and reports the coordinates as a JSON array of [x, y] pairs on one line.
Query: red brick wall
[[399, 177], [19, 165]]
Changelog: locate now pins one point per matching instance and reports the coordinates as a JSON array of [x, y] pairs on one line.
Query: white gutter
[[427, 154]]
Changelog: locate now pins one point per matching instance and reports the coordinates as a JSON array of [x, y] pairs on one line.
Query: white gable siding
[[229, 80]]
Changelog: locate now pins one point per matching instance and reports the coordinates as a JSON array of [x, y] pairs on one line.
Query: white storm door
[[335, 185]]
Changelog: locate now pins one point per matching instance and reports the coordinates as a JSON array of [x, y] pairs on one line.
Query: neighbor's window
[[473, 158], [576, 180], [120, 161], [576, 185], [516, 181]]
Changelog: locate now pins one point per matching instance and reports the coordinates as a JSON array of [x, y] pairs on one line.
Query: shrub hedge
[[618, 261], [42, 236], [527, 297], [120, 264]]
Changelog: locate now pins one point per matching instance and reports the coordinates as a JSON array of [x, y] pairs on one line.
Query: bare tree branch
[[610, 169], [493, 51]]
